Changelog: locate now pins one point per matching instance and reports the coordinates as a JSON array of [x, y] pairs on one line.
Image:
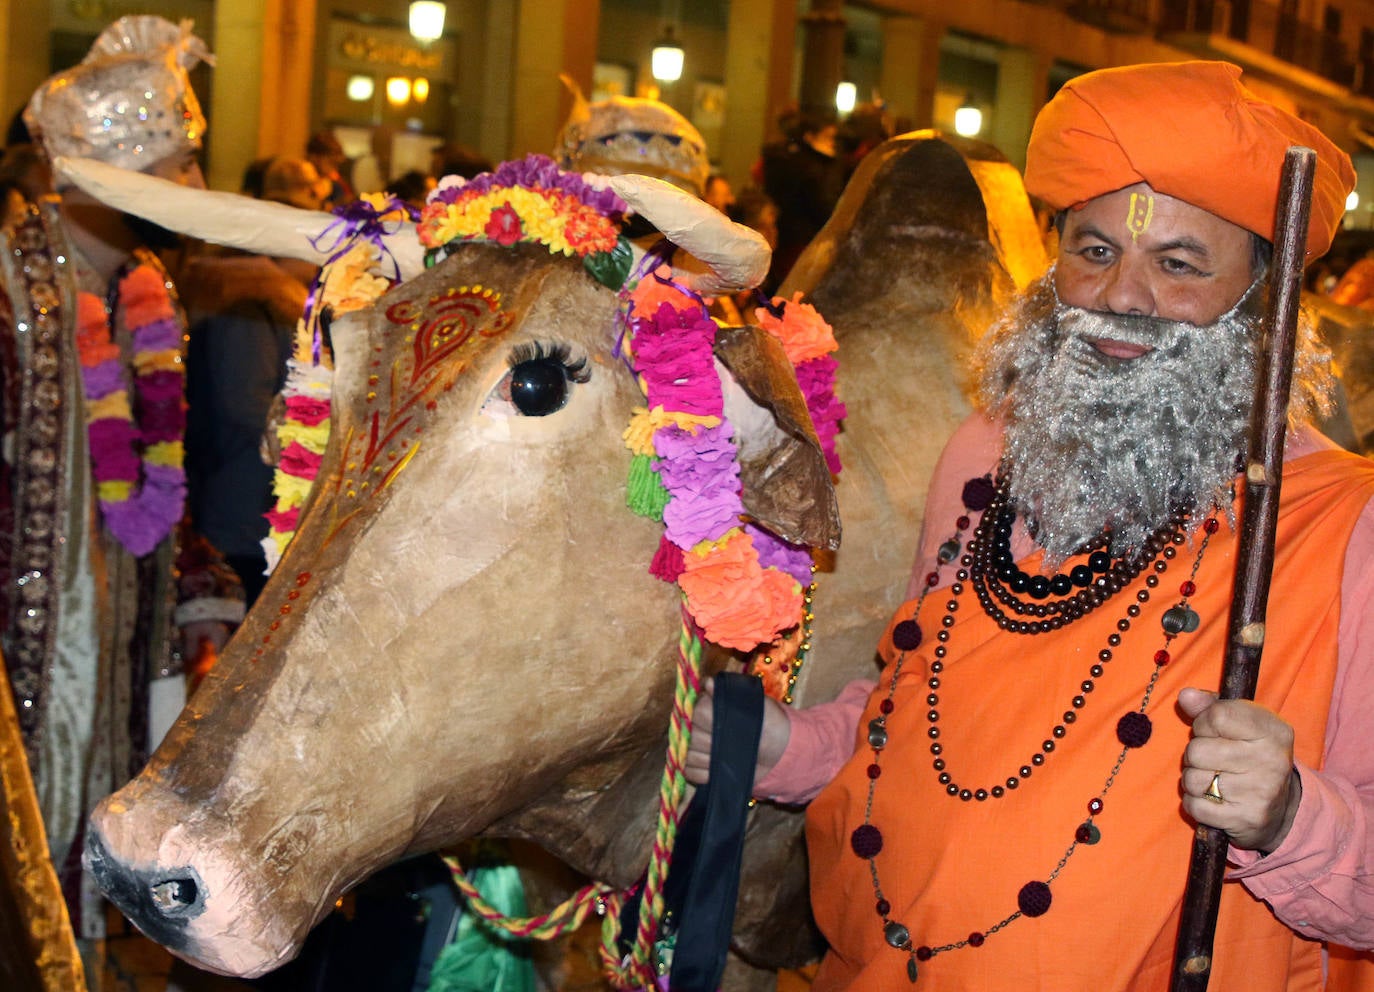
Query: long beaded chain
[[987, 564]]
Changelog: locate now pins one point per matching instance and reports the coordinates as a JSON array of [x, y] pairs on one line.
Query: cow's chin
[[223, 915]]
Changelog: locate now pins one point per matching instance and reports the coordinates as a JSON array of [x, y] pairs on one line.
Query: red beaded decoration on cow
[[986, 565]]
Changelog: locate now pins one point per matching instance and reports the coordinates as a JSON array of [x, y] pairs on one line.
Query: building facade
[[491, 82]]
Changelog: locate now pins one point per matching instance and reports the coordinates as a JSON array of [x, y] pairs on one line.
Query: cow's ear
[[787, 484]]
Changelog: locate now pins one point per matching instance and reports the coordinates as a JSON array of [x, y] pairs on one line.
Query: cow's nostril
[[173, 894], [162, 902]]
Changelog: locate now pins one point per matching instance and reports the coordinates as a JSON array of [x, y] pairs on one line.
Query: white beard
[[1093, 440]]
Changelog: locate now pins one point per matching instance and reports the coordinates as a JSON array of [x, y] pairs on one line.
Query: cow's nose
[[160, 901]]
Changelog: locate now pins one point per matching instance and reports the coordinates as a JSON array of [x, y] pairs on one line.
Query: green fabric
[[644, 490], [482, 958], [611, 268]]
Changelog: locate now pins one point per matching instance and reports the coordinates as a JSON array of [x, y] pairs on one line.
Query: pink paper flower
[[672, 353]]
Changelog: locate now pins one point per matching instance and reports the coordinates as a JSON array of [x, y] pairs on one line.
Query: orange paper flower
[[738, 603], [804, 333]]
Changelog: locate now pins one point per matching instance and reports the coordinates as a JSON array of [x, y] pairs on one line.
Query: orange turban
[[1191, 131]]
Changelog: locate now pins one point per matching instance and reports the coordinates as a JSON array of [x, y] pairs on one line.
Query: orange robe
[[950, 867]]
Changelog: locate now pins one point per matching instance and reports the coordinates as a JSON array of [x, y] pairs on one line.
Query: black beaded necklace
[[987, 565]]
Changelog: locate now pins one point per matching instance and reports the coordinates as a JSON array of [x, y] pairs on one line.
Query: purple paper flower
[[103, 379], [702, 477], [168, 480], [774, 552], [816, 378], [160, 335], [161, 422], [160, 386], [131, 526]]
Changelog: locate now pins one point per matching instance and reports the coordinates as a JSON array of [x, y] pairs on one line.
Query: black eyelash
[[533, 351]]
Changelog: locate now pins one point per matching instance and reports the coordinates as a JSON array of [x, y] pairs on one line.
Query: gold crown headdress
[[628, 135]]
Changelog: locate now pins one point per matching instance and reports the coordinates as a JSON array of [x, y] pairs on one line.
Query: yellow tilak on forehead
[[1139, 212]]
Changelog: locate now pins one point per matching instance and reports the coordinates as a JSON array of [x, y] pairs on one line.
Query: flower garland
[[347, 282], [137, 464], [530, 201], [743, 585], [810, 344]]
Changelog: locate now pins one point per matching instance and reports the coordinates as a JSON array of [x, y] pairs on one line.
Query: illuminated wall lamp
[[968, 119], [1352, 201], [427, 20], [666, 62], [419, 90], [845, 96], [398, 90], [360, 88]]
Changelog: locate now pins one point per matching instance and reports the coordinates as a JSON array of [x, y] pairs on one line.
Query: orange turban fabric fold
[[1191, 131]]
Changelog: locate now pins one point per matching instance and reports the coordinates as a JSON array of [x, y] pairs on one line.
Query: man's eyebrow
[[1191, 245], [1093, 231]]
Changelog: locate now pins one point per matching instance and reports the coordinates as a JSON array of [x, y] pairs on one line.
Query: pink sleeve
[[1320, 880], [972, 450], [821, 739]]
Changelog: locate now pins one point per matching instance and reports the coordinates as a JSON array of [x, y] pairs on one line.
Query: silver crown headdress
[[129, 102]]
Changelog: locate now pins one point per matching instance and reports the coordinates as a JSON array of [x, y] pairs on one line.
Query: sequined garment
[[85, 624]]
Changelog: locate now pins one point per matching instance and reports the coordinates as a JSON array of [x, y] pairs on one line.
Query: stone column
[[551, 37], [822, 55], [911, 69], [899, 77], [24, 53], [263, 77], [758, 69], [1022, 82]]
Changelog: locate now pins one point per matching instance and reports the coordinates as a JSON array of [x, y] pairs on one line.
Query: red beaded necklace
[[986, 564]]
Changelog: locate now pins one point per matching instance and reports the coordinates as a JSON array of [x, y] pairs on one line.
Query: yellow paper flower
[[112, 405], [170, 453], [639, 436]]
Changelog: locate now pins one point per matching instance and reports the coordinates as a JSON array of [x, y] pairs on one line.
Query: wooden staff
[[1255, 555]]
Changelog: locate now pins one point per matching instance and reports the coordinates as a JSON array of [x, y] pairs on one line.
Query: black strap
[[714, 838]]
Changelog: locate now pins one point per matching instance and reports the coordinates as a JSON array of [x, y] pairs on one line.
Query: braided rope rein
[[639, 969]]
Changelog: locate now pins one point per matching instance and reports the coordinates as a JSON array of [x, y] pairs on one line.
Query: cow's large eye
[[541, 377]]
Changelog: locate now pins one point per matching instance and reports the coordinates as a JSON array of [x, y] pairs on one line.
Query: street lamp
[[360, 88], [845, 96], [427, 20], [968, 119], [398, 91], [668, 57]]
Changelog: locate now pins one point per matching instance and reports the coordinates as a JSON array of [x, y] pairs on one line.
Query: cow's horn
[[736, 256], [231, 219]]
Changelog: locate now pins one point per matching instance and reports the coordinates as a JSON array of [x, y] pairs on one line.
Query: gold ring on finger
[[1213, 793]]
